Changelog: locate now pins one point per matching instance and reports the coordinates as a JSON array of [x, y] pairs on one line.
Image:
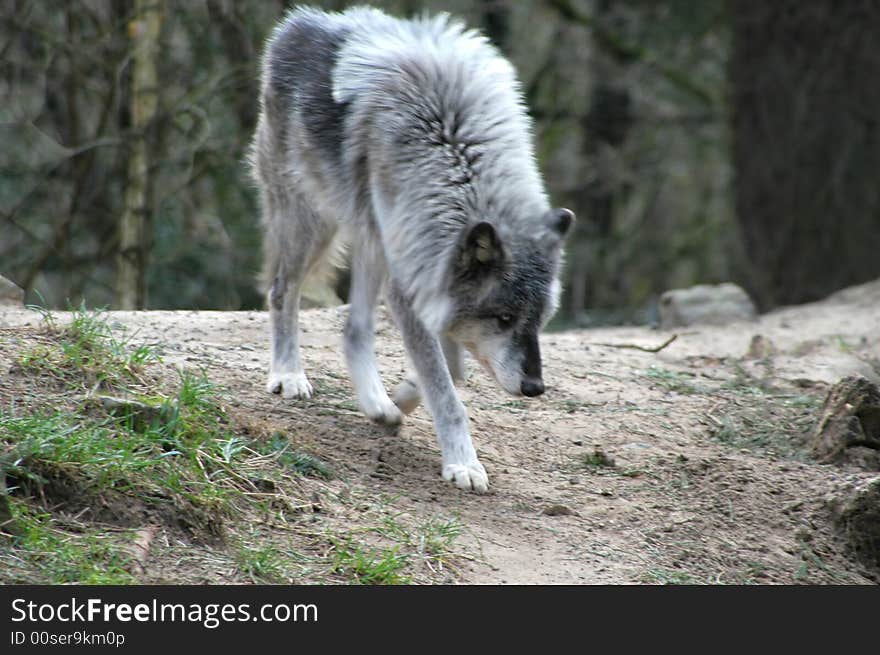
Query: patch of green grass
[[197, 392], [437, 537], [673, 380], [88, 352], [572, 405], [306, 464], [298, 461], [42, 552], [631, 473], [813, 568], [600, 463], [761, 417], [185, 466], [775, 424], [368, 565], [597, 459], [121, 445], [843, 344], [432, 539], [397, 549], [347, 405], [753, 572], [80, 457], [745, 384], [261, 563], [666, 576], [803, 401], [96, 451]]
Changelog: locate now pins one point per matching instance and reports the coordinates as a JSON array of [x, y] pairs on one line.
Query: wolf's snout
[[532, 387]]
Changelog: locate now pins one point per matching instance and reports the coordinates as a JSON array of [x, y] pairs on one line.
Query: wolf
[[410, 140]]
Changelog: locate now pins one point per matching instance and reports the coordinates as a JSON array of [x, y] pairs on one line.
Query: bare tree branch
[[617, 46]]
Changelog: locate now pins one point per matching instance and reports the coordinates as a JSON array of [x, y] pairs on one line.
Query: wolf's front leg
[[460, 463]]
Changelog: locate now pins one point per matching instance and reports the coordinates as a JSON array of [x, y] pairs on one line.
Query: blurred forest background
[[697, 141]]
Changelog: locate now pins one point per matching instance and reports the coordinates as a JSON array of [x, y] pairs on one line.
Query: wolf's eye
[[505, 321]]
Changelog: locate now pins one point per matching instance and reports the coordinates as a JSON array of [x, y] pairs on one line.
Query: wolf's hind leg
[[299, 241], [286, 374], [407, 395], [367, 277]]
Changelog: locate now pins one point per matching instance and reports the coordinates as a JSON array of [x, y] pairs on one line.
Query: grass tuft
[[673, 380], [87, 353], [597, 459], [369, 566]]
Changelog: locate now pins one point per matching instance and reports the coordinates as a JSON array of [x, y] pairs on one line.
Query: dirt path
[[685, 465]]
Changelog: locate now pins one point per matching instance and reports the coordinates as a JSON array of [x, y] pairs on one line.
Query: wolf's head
[[503, 294]]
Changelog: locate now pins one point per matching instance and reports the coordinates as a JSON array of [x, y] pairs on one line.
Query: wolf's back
[[297, 76]]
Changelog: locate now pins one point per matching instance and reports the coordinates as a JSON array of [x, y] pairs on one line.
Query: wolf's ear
[[560, 220], [481, 252], [557, 223]]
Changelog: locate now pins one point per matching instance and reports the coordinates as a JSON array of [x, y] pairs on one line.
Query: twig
[[711, 416], [140, 549], [655, 349]]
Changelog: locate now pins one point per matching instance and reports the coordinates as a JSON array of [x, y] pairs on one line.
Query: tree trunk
[[806, 145], [495, 17], [606, 125], [135, 224]]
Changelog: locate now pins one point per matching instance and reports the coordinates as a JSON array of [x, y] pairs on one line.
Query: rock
[[837, 366], [849, 430], [557, 510], [862, 294], [10, 293], [856, 514], [705, 304], [760, 347]]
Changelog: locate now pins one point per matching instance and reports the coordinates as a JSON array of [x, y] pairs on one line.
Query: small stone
[[557, 510], [760, 347]]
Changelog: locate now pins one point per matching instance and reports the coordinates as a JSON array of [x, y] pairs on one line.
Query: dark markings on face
[[518, 305], [528, 343], [520, 301]]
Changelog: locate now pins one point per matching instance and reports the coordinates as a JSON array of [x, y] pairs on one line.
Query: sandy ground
[[665, 500]]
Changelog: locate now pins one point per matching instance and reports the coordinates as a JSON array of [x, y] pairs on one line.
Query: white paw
[[467, 476], [407, 396], [289, 385], [382, 410]]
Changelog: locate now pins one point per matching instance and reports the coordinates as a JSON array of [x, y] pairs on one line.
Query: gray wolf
[[410, 139]]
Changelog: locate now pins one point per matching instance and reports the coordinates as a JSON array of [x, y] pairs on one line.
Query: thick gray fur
[[410, 140]]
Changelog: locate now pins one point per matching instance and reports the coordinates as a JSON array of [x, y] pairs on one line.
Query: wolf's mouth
[[472, 349], [488, 367], [491, 371]]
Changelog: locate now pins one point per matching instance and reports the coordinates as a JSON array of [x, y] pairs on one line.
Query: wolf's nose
[[531, 387]]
